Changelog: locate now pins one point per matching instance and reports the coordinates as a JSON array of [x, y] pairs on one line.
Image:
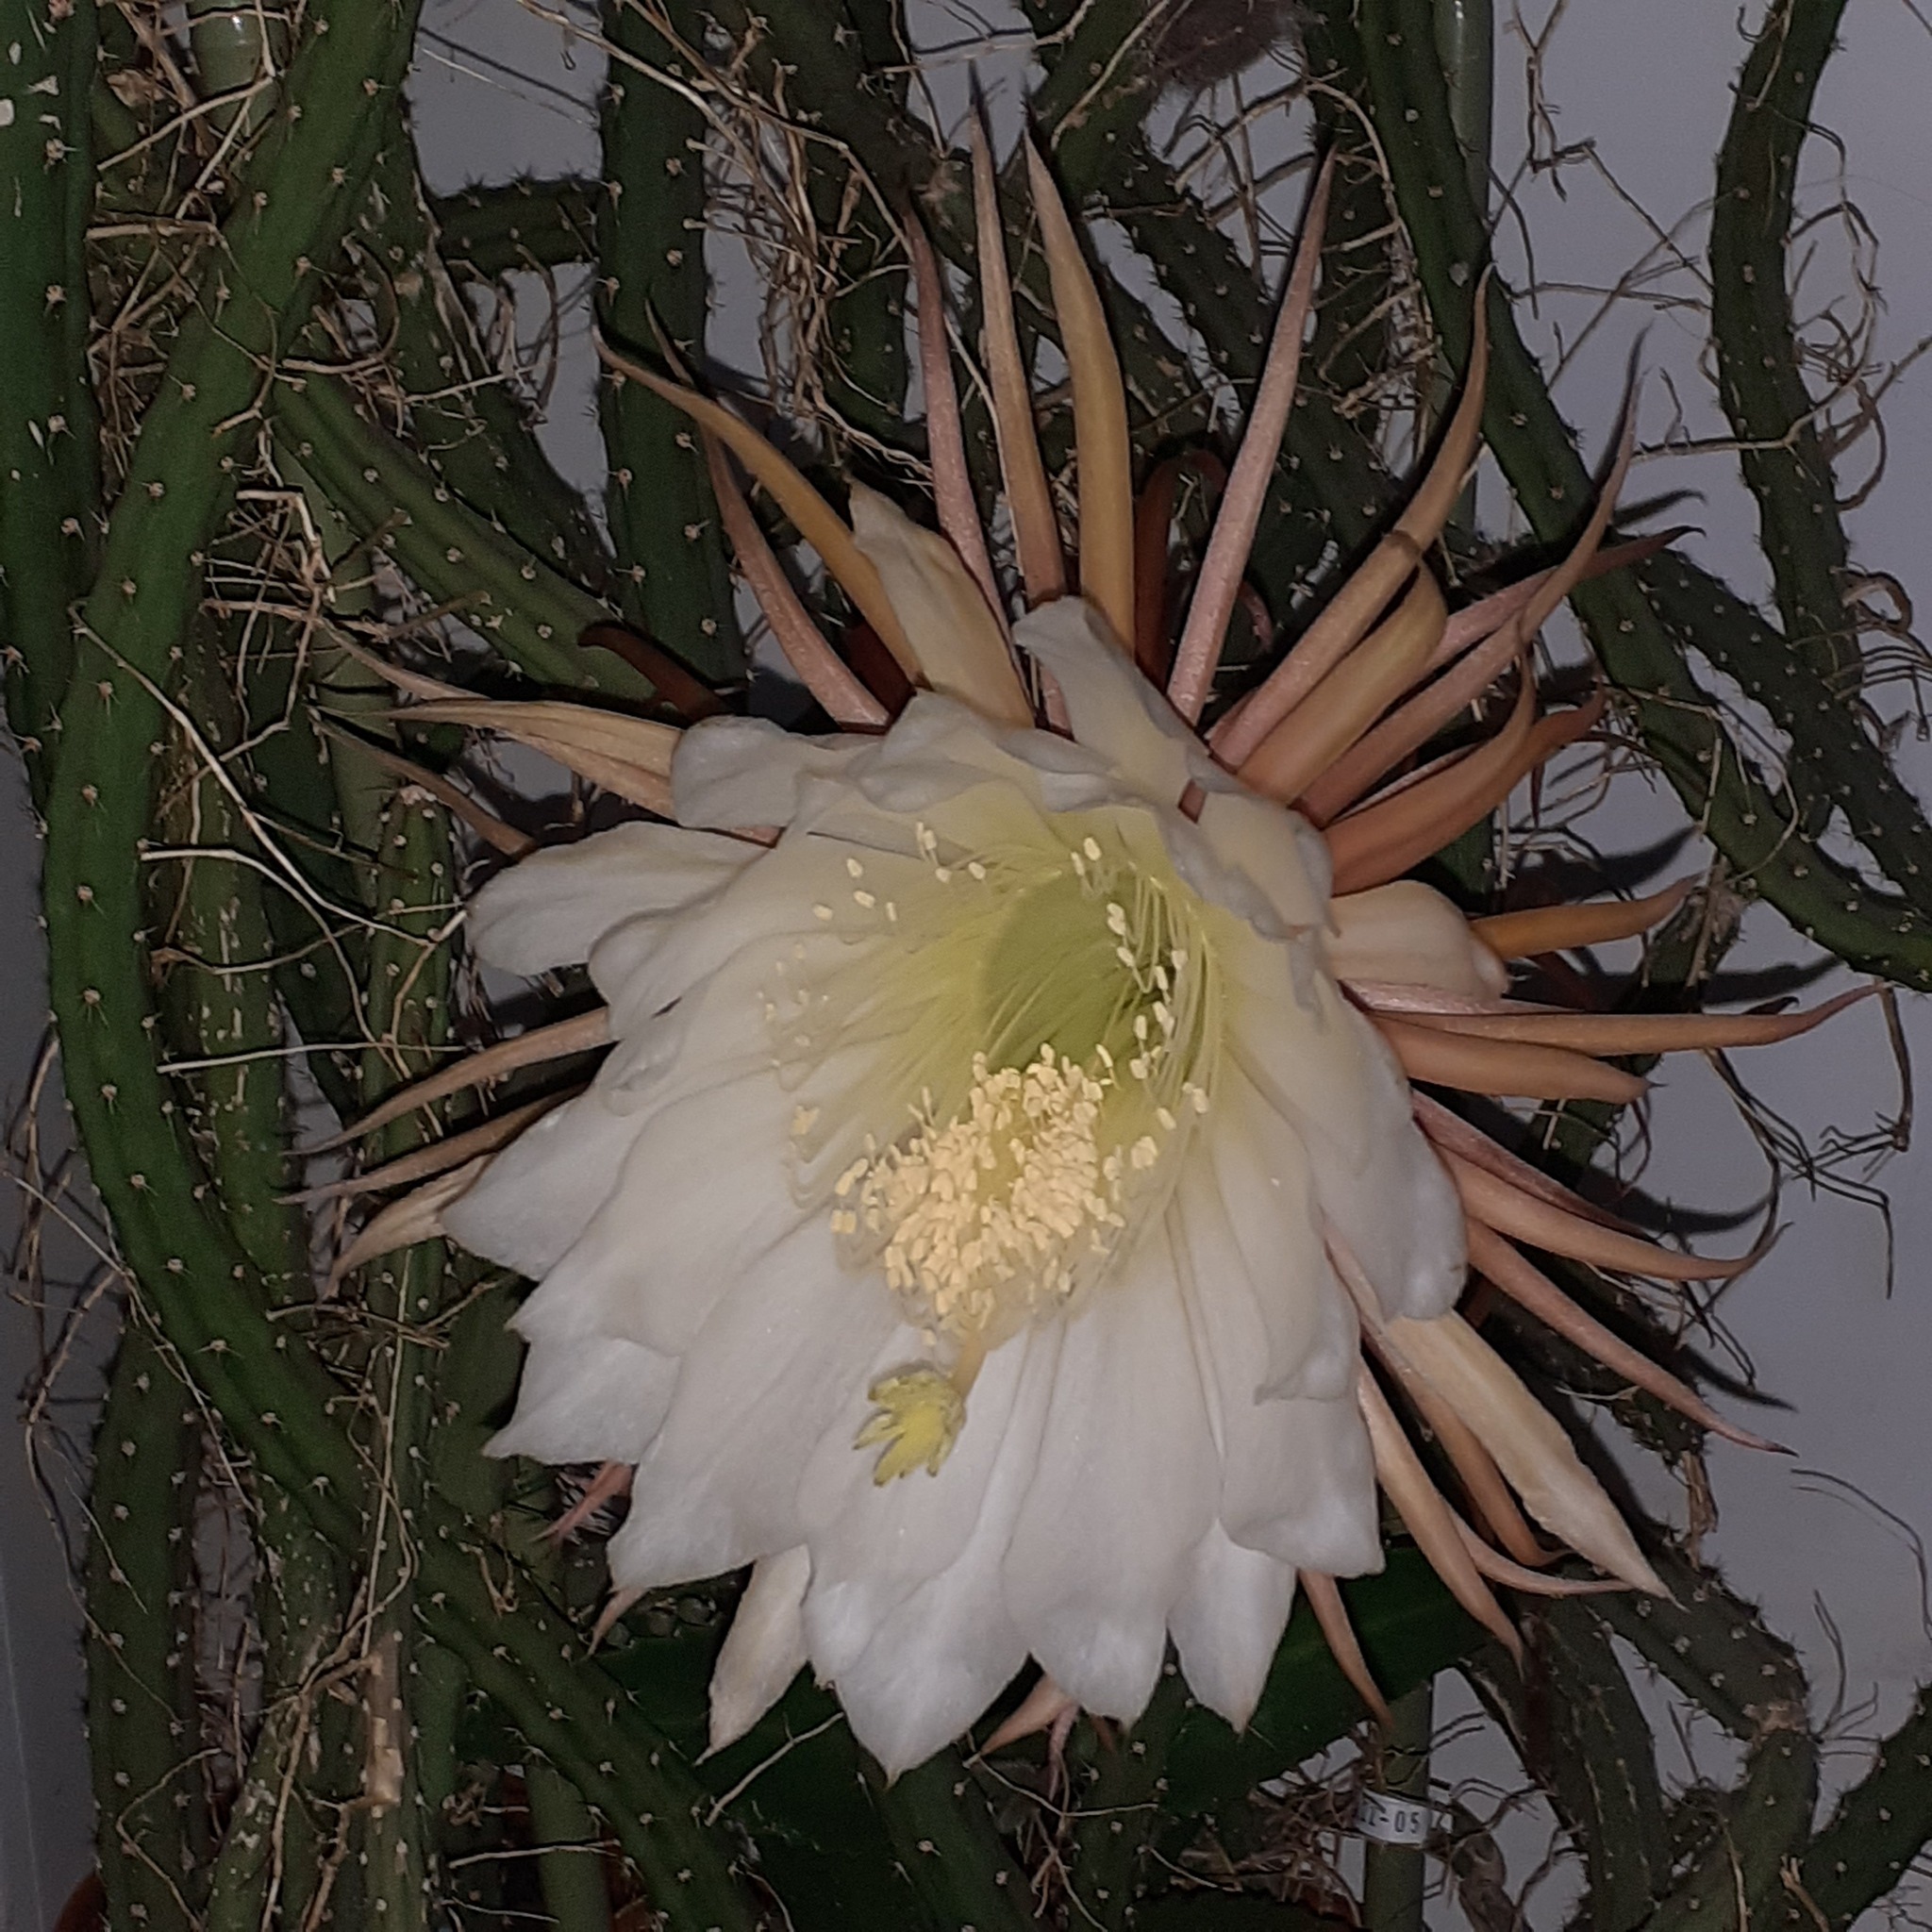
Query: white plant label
[[1386, 1819]]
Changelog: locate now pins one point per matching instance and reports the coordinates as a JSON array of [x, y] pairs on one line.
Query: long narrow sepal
[[1563, 928], [1499, 1568], [1476, 1469], [1526, 1285], [423, 1161], [1103, 455], [1495, 1204], [1382, 840], [1030, 497], [1506, 1069], [417, 1217], [531, 1049], [1219, 583], [1344, 621], [1346, 702], [1331, 1614], [952, 481], [1527, 1442], [628, 756], [820, 668], [1400, 1471], [1452, 1131]]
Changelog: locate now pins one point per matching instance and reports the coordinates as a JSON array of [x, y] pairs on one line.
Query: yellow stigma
[[920, 1416]]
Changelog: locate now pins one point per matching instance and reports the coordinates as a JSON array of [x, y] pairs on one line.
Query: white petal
[[733, 772], [1527, 1442], [1302, 1488], [539, 1194], [873, 1546], [643, 964], [585, 1398], [551, 908], [771, 1371], [1409, 934], [944, 613], [1324, 1067], [1228, 1622], [1297, 1481], [1124, 1489], [1111, 707], [943, 1653], [1247, 1211], [1276, 849], [765, 1647], [701, 1201]]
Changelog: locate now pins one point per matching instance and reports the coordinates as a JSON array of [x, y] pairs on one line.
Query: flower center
[[1063, 1005]]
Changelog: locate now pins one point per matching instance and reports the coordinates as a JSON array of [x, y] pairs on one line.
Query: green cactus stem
[[1879, 1828], [49, 448], [571, 1865], [476, 429], [943, 1835], [151, 1822], [673, 576], [1598, 1759], [389, 495], [1763, 389], [525, 223]]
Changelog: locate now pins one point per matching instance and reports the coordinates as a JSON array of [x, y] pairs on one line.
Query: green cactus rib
[[296, 198], [944, 1839], [528, 1660], [1602, 1769], [1880, 1825], [862, 357], [1826, 901], [1719, 1653], [673, 576], [141, 1718], [1738, 1881], [49, 449], [475, 428], [1756, 338], [218, 1002], [570, 1866], [1121, 1812], [388, 495], [525, 223], [1713, 1647]]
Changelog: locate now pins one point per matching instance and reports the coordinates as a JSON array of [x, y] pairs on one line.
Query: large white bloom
[[945, 1231]]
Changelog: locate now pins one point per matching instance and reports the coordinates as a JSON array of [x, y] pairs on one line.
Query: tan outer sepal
[[1527, 1442], [954, 641]]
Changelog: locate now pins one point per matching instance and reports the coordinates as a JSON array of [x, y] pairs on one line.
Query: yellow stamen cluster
[[999, 1200]]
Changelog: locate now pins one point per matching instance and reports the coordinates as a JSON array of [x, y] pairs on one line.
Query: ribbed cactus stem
[[385, 491], [672, 578], [142, 1718], [49, 449], [472, 424], [1759, 381], [571, 1865], [524, 224]]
